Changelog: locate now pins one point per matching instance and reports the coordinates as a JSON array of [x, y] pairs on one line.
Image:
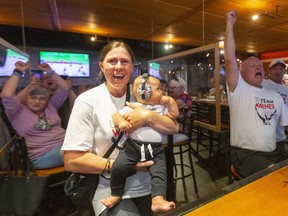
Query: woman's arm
[[181, 104], [71, 96], [140, 116], [12, 83], [56, 78], [22, 94], [86, 162]]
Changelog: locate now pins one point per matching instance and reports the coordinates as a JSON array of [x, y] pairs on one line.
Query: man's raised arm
[[231, 66]]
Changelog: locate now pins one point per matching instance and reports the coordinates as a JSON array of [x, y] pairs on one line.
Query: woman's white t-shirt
[[91, 129]]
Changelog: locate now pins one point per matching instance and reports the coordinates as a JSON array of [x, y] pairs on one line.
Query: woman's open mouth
[[118, 77]]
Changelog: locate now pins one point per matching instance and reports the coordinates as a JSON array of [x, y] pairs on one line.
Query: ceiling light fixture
[[255, 17], [269, 15], [93, 38], [168, 46]]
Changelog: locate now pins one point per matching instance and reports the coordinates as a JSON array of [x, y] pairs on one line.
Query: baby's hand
[[124, 126], [165, 99]]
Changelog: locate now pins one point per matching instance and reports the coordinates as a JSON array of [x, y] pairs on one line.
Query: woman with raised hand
[[33, 114]]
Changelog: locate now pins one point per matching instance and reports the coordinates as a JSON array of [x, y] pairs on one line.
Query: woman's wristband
[[51, 73], [17, 73], [107, 166]]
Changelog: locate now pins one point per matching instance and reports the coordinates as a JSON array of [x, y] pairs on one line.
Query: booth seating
[[182, 160]]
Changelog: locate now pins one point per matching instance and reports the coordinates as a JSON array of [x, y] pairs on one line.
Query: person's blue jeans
[[49, 159]]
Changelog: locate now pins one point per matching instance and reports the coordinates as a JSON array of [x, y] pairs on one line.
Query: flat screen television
[[154, 69], [9, 55], [67, 63]]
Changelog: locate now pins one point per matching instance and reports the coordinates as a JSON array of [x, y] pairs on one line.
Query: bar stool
[[206, 114], [182, 146]]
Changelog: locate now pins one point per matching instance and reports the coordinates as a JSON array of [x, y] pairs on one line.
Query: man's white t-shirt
[[282, 90], [255, 114]]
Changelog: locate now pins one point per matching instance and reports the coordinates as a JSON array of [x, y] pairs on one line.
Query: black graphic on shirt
[[265, 110], [284, 96]]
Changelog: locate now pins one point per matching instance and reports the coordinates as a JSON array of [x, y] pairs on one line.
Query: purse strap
[[25, 157], [111, 149], [19, 159]]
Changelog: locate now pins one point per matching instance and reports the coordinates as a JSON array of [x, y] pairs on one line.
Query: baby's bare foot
[[109, 202], [159, 204]]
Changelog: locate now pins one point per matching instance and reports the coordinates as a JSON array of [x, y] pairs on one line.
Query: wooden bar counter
[[264, 194]]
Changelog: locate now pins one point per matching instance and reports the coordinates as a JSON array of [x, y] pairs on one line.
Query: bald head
[[252, 71]]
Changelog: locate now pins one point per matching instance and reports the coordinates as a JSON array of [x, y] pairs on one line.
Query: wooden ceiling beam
[[55, 15]]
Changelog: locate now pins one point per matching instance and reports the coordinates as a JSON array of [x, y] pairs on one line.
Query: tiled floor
[[209, 179]]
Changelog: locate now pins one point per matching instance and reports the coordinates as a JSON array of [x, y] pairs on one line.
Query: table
[[212, 101], [264, 193]]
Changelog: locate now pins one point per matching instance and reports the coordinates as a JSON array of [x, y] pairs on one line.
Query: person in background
[[164, 86], [36, 119], [91, 130], [255, 111], [285, 79], [65, 110], [143, 144], [177, 90], [276, 72], [212, 89]]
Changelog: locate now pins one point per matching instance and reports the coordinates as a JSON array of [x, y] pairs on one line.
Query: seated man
[[255, 112], [65, 110]]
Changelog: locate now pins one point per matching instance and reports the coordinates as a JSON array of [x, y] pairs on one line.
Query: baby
[[143, 144]]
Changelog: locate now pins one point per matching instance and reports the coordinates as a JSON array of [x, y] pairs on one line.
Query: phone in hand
[[38, 73]]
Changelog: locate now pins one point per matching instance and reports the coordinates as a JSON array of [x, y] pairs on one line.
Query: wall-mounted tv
[[9, 55], [154, 69], [67, 63]]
